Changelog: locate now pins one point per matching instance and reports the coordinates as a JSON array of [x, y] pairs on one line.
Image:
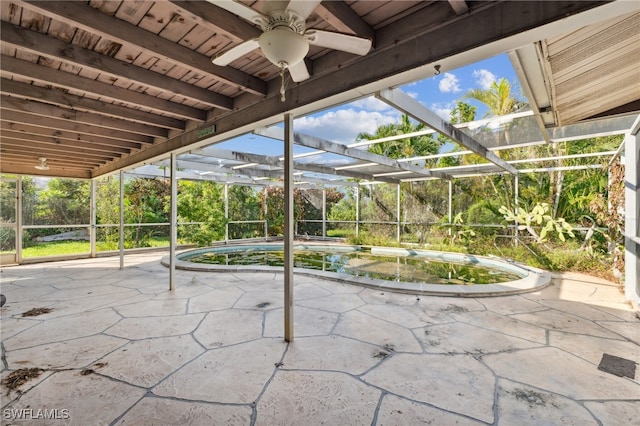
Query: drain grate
[[621, 367]]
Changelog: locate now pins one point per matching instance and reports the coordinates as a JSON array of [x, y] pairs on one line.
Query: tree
[[146, 201], [244, 204], [64, 202], [201, 202], [402, 148], [497, 98]]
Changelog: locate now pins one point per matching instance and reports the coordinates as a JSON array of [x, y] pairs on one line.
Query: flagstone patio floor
[[117, 347]]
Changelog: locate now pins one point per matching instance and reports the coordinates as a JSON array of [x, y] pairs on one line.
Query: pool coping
[[536, 279]]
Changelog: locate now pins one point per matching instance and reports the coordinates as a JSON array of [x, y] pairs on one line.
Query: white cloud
[[449, 83], [344, 125], [443, 110], [484, 78], [370, 103]]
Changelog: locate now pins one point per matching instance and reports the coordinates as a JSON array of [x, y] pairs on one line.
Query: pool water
[[360, 262]]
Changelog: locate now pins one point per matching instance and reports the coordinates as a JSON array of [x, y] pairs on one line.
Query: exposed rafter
[[46, 75], [89, 19], [78, 103], [40, 44], [75, 116]]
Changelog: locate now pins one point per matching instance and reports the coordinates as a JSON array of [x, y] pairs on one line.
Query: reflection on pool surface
[[404, 266]]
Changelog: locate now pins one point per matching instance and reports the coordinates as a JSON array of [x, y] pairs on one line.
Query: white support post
[[516, 185], [398, 212], [121, 228], [173, 223], [631, 222], [92, 220], [288, 228], [19, 220], [450, 207], [266, 210], [324, 212], [226, 213], [357, 211]]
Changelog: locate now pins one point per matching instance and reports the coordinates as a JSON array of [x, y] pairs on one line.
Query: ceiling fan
[[43, 164], [285, 39]]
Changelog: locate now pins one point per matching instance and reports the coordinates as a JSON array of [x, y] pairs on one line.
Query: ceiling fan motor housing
[[283, 46]]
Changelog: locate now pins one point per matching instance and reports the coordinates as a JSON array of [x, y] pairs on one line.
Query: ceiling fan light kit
[[43, 164], [281, 47], [285, 39]]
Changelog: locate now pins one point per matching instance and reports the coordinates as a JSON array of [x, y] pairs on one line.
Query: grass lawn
[[58, 248]]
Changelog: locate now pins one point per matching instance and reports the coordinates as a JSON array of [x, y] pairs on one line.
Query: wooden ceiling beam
[[459, 6], [41, 44], [36, 153], [216, 19], [57, 124], [60, 148], [19, 166], [60, 134], [64, 144], [33, 160], [93, 21], [46, 75], [52, 152], [47, 110], [340, 16], [78, 103]]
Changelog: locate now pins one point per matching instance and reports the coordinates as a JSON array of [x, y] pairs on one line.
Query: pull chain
[[282, 68]]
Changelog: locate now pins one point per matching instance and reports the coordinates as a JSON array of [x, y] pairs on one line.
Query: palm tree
[[402, 148], [497, 98], [499, 101]]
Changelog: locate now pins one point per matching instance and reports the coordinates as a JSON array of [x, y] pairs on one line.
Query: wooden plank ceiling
[[94, 86]]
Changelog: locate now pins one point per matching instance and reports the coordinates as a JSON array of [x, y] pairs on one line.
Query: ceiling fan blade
[[242, 10], [299, 72], [339, 41], [304, 8], [225, 58]]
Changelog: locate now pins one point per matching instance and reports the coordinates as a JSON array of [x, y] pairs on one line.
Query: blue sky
[[343, 123]]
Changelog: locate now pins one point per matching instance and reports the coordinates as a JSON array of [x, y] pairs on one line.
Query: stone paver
[[336, 399], [119, 348]]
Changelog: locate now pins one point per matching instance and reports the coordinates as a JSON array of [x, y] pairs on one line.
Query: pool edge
[[535, 280]]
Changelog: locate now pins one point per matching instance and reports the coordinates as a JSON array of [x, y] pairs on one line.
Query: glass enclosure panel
[[505, 131], [55, 201], [8, 216], [249, 229], [54, 241], [341, 229]]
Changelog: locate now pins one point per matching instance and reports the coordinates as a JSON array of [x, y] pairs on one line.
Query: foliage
[[484, 212], [345, 208], [498, 98], [146, 202], [538, 216], [201, 202], [371, 239], [402, 148], [244, 204], [64, 202], [307, 205], [609, 210], [461, 233]]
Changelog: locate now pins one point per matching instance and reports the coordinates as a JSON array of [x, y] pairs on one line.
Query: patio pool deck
[[119, 348]]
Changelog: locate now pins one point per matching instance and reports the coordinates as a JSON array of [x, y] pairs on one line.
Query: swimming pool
[[394, 269]]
